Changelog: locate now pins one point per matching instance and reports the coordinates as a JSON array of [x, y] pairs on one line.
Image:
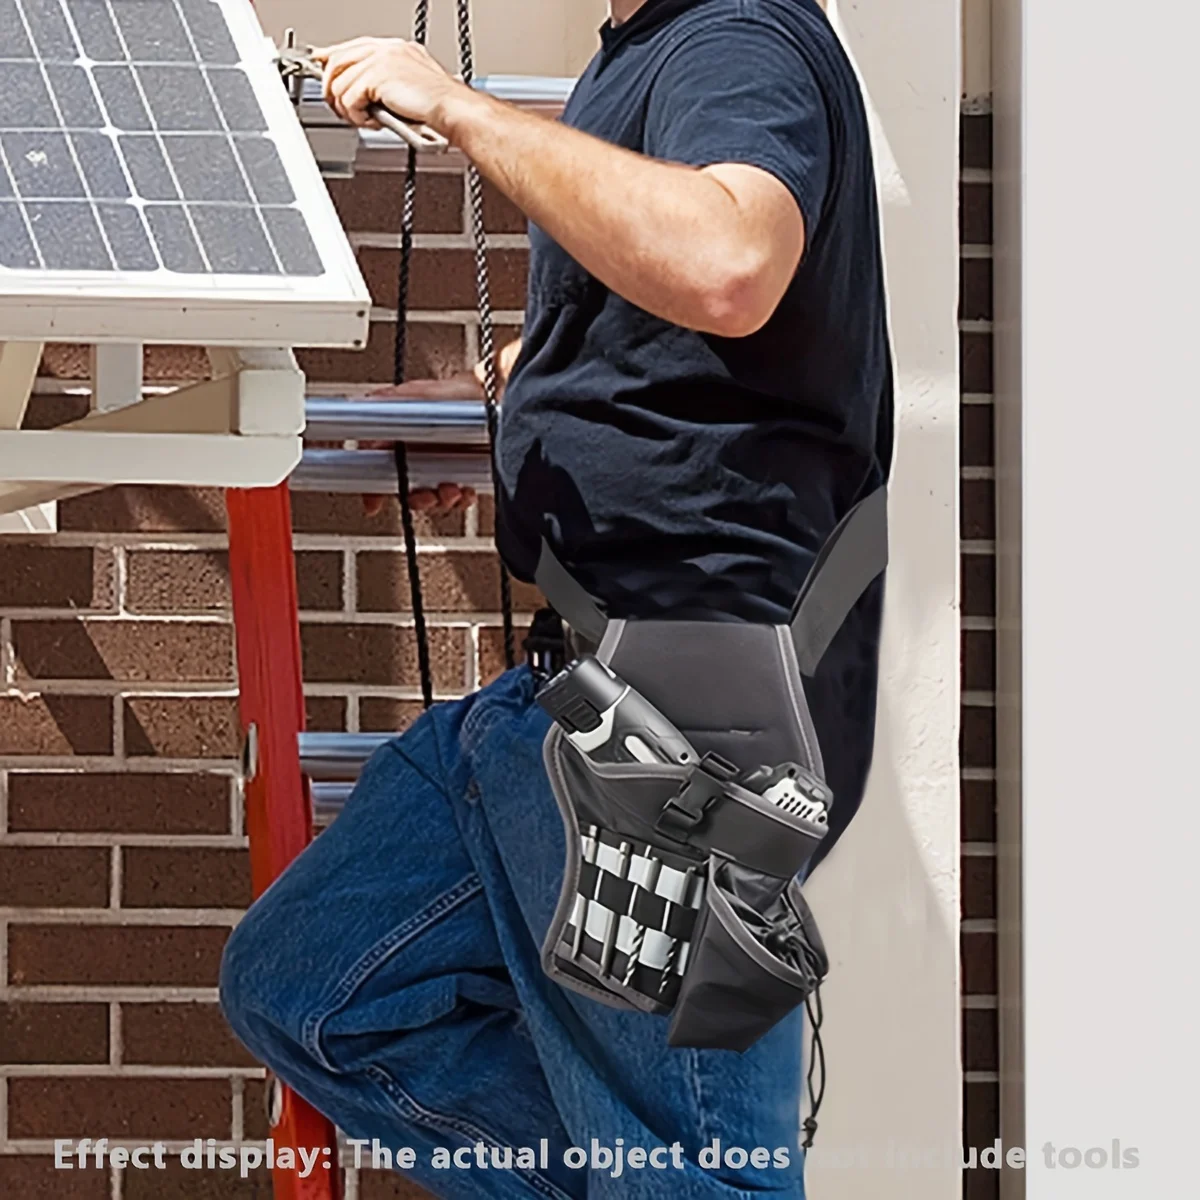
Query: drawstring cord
[[487, 351], [816, 1016]]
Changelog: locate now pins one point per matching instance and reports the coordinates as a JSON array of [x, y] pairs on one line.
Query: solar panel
[[155, 183]]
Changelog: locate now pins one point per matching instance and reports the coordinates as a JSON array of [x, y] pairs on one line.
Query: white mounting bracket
[[239, 429]]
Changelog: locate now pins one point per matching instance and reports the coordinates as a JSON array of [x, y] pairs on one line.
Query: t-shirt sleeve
[[739, 91]]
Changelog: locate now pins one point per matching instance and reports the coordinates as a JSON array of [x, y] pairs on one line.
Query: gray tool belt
[[690, 782]]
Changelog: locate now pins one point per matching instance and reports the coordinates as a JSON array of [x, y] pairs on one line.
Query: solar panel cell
[[13, 34], [51, 34], [152, 30], [103, 174], [148, 167], [68, 236], [42, 165], [127, 237], [206, 168], [16, 247], [75, 97]]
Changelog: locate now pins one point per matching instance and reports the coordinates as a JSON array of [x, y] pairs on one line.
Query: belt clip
[[683, 813], [545, 647]]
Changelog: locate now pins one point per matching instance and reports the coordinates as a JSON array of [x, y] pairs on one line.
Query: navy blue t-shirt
[[684, 474]]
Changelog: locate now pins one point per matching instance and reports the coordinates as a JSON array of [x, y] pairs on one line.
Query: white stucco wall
[[888, 899], [513, 37]]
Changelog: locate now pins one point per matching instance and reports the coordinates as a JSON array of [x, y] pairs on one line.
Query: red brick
[[491, 650], [114, 956], [978, 509], [975, 289], [978, 964], [40, 576], [388, 1185], [48, 411], [180, 1035], [466, 581], [54, 877], [53, 1033], [381, 654], [382, 714], [978, 660], [976, 369], [170, 1109], [373, 201], [975, 139], [977, 736], [140, 509], [434, 351], [981, 1114], [182, 727], [127, 651], [172, 877], [500, 214], [34, 1177], [978, 886], [978, 449], [980, 1039], [177, 1182], [975, 213], [86, 802], [978, 585], [254, 1110], [40, 724], [322, 512], [978, 806], [177, 580], [319, 580], [445, 279], [325, 714]]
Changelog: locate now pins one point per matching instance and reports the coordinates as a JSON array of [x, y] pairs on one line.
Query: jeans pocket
[[757, 955]]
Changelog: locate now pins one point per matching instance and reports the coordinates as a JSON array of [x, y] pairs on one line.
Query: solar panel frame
[[77, 301]]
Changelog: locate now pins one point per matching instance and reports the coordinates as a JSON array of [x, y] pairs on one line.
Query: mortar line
[[116, 1043], [114, 896]]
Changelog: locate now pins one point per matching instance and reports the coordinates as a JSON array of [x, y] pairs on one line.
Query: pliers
[[297, 64]]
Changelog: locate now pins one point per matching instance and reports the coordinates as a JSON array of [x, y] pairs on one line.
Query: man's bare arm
[[712, 249]]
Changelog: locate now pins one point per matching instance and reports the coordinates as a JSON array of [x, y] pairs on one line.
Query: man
[[703, 390]]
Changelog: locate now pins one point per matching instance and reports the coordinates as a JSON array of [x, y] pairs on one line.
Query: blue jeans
[[391, 977]]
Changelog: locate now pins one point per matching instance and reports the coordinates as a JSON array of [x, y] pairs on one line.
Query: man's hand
[[400, 75]]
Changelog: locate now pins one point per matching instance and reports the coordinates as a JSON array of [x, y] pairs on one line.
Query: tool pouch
[[680, 894]]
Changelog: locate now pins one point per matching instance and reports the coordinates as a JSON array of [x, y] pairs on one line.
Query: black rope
[[407, 221], [816, 1054], [487, 353], [487, 333]]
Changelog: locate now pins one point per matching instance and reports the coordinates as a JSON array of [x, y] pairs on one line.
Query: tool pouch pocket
[[756, 955]]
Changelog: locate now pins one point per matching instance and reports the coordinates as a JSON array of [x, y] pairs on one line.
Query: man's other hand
[[446, 497]]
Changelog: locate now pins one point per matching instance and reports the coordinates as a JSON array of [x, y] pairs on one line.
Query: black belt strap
[[856, 552], [570, 601]]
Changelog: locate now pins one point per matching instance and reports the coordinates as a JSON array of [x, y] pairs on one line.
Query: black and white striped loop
[[636, 910]]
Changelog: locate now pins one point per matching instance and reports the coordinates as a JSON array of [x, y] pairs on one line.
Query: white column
[[1097, 328], [887, 900]]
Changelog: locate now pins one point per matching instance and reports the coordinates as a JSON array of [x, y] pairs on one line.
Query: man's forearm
[[668, 238]]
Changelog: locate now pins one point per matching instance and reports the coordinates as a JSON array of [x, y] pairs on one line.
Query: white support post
[[116, 375], [19, 362]]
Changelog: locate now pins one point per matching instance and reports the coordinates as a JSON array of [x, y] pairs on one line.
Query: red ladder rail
[[279, 818]]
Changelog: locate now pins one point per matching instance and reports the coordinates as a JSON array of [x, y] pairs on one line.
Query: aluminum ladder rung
[[338, 756], [341, 419], [328, 800], [374, 471]]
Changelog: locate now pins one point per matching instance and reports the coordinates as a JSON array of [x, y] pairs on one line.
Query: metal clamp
[[296, 65], [683, 813]]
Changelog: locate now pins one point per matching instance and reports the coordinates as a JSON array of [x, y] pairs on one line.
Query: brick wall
[[981, 1094], [122, 855]]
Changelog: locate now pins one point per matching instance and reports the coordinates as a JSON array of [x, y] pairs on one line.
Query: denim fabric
[[391, 976]]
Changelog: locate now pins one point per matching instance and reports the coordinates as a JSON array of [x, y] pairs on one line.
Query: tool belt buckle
[[683, 814]]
